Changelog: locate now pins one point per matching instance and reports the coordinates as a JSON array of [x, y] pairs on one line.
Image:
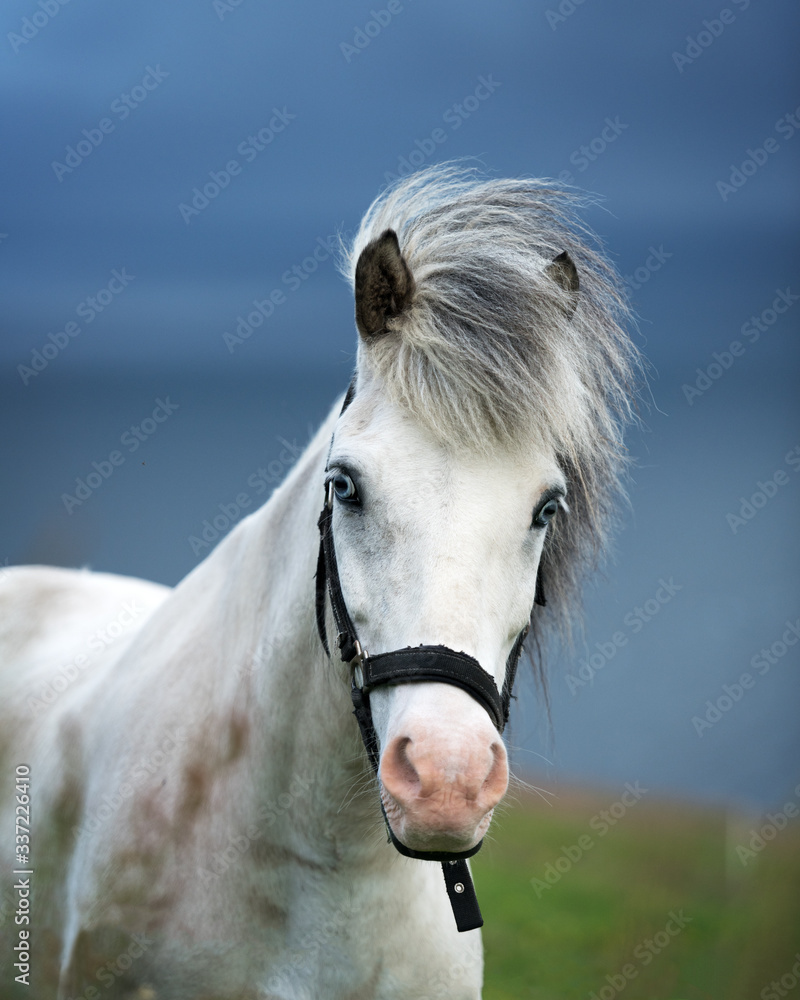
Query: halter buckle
[[356, 665]]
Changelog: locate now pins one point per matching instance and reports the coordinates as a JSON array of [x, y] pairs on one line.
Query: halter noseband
[[404, 666]]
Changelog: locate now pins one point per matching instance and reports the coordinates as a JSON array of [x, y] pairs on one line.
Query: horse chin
[[442, 835]]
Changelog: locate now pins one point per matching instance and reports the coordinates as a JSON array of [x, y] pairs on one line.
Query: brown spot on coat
[[238, 733], [196, 786]]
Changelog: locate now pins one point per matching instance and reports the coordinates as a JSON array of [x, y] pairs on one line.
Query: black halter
[[404, 666]]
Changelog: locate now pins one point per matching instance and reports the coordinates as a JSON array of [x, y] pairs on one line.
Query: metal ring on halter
[[357, 672]]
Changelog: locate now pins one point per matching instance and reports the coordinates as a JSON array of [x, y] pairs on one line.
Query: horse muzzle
[[444, 767], [442, 772]]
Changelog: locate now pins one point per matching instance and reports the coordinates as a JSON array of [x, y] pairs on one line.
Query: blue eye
[[545, 514], [344, 488]]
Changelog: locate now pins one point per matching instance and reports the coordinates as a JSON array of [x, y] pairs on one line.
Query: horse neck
[[278, 686]]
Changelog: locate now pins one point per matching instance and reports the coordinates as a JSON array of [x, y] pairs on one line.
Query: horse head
[[448, 474]]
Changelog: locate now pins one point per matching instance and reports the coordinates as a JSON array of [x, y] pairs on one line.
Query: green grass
[[595, 921]]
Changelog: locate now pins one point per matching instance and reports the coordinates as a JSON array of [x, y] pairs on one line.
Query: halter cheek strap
[[405, 666]]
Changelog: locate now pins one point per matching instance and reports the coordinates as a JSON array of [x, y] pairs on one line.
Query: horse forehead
[[391, 447], [373, 424]]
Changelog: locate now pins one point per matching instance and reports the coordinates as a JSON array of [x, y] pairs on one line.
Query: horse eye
[[545, 514], [345, 488]]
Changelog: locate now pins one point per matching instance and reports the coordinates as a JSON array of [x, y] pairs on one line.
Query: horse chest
[[296, 933], [260, 921]]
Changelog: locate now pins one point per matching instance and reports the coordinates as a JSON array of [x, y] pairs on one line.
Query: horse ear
[[384, 284], [563, 271]]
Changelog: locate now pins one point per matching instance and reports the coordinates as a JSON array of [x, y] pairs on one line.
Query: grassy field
[[643, 899]]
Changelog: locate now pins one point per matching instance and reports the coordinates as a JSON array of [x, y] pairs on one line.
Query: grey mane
[[487, 350]]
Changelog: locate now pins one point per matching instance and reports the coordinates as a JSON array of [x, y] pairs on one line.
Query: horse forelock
[[489, 351]]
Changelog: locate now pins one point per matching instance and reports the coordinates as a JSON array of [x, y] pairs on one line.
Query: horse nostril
[[412, 772], [398, 774], [496, 782]]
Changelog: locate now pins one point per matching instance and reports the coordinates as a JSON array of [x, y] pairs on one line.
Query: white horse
[[204, 821]]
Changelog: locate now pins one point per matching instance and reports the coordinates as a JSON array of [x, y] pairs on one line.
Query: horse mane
[[488, 354]]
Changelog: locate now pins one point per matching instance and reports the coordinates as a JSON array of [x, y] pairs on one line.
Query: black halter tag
[[461, 893]]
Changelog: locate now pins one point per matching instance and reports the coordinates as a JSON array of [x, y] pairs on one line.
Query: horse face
[[436, 547]]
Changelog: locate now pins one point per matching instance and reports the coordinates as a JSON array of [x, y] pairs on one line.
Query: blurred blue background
[[166, 165]]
